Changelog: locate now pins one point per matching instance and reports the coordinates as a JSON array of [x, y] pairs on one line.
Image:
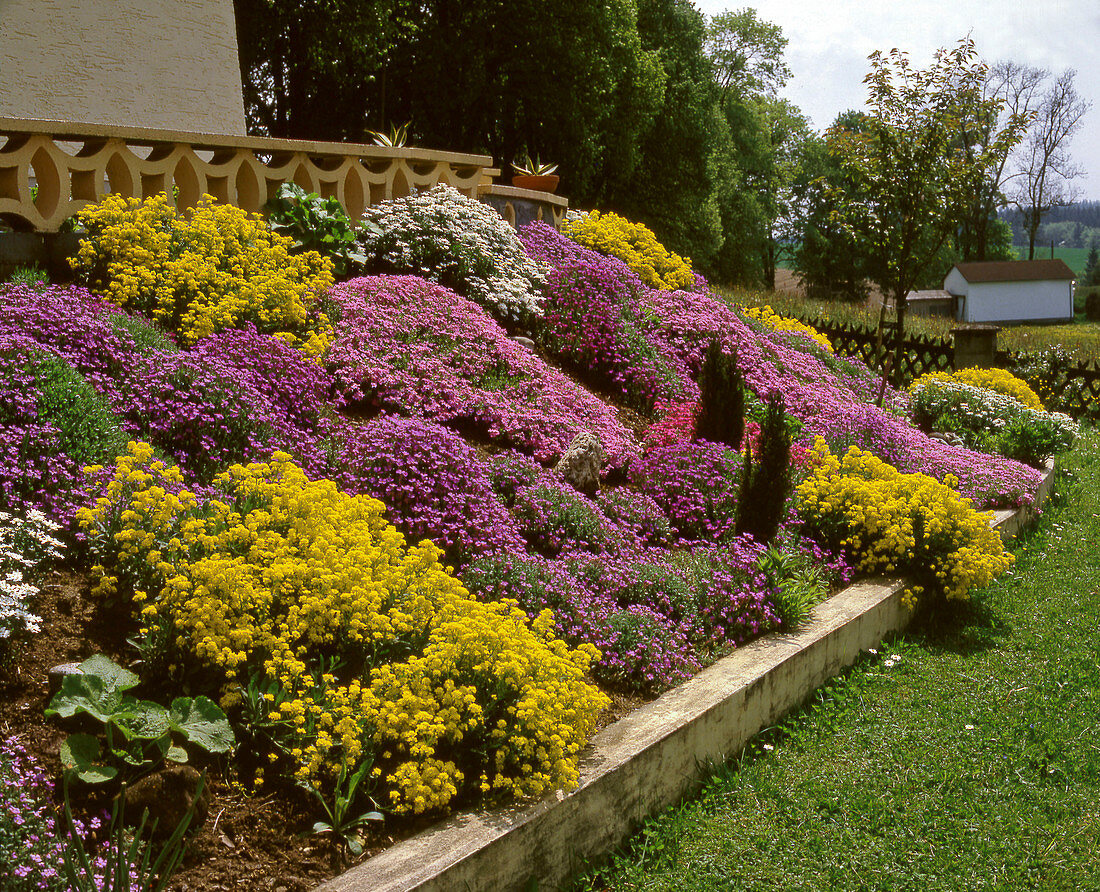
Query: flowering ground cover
[[342, 523]]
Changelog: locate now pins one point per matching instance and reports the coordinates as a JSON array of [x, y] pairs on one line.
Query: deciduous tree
[[1044, 170], [915, 181]]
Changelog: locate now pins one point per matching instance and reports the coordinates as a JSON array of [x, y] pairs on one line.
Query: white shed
[[1005, 291]]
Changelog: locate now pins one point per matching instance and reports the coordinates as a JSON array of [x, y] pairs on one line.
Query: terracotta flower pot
[[541, 183]]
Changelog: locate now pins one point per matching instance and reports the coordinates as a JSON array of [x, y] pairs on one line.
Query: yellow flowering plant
[[635, 245], [220, 267], [363, 649], [998, 380], [892, 522], [766, 315]]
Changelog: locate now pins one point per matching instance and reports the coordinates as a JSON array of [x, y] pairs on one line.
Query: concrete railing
[[72, 165]]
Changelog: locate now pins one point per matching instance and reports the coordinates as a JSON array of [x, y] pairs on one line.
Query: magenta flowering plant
[[238, 396], [832, 396], [553, 517], [417, 348], [637, 514], [694, 484], [640, 649], [591, 322], [433, 484]]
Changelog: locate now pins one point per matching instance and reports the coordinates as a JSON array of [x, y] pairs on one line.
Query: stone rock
[[168, 794], [526, 342], [582, 462], [948, 437], [57, 674]]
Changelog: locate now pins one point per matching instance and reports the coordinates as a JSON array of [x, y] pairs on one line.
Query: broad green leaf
[[202, 722], [79, 753]]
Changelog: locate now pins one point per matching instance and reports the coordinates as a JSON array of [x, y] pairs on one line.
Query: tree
[[1044, 170], [674, 189], [746, 53], [1015, 87], [827, 258], [755, 171], [307, 66], [915, 181]]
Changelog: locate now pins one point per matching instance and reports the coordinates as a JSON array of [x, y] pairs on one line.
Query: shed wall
[[1018, 301]]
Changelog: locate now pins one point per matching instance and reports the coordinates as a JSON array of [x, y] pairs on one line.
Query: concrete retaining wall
[[651, 758]]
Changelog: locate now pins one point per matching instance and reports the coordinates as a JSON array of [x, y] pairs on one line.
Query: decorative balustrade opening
[[71, 165]]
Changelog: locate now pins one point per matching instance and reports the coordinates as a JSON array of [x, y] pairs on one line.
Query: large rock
[[582, 462], [168, 795]]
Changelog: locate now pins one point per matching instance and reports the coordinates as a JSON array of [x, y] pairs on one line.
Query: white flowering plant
[[27, 544], [991, 421], [460, 243]]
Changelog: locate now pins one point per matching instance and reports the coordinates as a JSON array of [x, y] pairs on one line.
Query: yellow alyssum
[[773, 320], [289, 577], [634, 244], [220, 267], [906, 523], [997, 380]]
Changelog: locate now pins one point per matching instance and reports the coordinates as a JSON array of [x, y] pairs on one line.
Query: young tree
[[915, 181], [1044, 169]]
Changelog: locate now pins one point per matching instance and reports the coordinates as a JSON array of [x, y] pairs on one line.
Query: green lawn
[[964, 755], [1074, 257]]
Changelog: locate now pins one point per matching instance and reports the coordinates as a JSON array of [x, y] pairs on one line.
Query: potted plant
[[535, 175]]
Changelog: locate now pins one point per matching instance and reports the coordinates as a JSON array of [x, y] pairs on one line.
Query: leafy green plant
[[126, 862], [30, 277], [315, 224], [797, 581], [342, 820], [138, 732]]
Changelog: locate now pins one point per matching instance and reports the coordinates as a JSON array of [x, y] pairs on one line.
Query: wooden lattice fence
[[921, 353], [1063, 384]]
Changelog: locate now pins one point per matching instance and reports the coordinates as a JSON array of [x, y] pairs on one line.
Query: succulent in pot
[[532, 174]]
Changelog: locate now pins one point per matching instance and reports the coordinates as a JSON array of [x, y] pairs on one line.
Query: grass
[[963, 755]]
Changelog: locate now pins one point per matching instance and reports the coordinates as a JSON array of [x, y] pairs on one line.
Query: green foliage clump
[[87, 430], [315, 224]]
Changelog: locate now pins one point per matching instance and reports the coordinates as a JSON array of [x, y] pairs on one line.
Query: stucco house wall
[[165, 64]]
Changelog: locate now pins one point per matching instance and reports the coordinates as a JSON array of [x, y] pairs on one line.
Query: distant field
[[1074, 257]]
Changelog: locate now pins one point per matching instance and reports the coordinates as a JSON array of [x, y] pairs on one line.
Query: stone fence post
[[975, 346]]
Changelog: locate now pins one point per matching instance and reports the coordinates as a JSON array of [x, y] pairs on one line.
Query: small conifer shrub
[[766, 481], [722, 399]]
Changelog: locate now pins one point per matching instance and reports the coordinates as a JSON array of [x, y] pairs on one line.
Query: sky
[[829, 42]]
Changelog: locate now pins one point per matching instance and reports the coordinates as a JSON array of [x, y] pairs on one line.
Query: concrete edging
[[652, 757]]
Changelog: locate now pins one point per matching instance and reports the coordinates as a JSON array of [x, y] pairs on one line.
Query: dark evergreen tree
[[722, 399], [766, 482]]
